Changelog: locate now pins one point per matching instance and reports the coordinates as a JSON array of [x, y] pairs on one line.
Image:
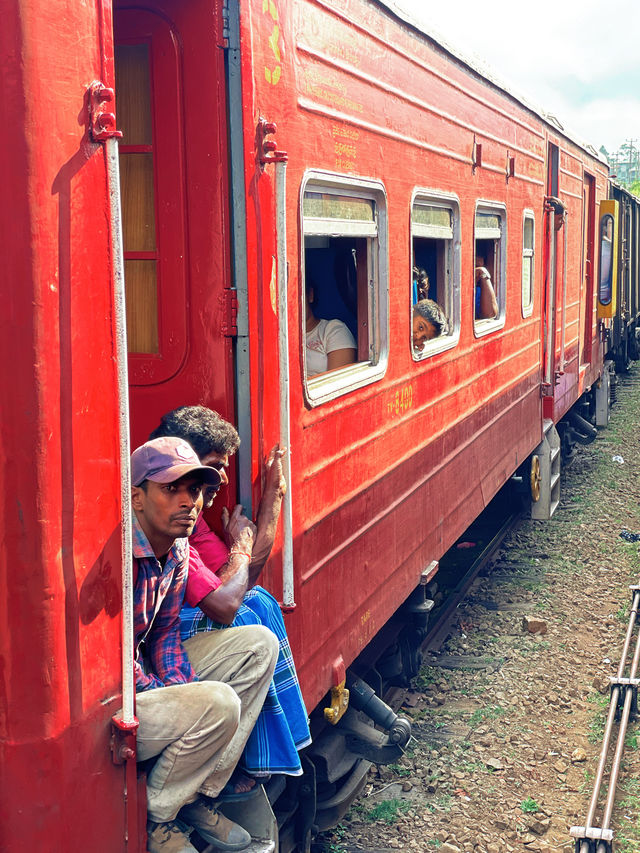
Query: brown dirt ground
[[506, 743]]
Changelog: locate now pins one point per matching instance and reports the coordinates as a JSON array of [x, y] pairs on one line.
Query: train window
[[153, 229], [345, 285], [489, 268], [528, 266], [435, 279], [606, 255], [553, 170], [138, 205]]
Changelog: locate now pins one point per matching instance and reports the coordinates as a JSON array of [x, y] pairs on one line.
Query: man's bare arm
[[268, 512], [222, 604]]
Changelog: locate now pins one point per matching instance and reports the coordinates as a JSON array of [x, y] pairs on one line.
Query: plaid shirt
[[157, 599]]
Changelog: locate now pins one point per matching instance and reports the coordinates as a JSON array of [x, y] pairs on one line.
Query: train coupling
[[361, 737]]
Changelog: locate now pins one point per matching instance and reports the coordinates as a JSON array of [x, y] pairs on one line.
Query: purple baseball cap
[[166, 459]]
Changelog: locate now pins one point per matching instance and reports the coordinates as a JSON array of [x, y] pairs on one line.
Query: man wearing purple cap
[[196, 705]]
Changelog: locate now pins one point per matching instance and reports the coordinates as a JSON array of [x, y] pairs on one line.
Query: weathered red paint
[[382, 486], [60, 562], [363, 531]]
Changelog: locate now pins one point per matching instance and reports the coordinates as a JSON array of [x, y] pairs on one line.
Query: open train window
[[345, 284], [489, 268], [435, 273], [606, 257], [528, 266]]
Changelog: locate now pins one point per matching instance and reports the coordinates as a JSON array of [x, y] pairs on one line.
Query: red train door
[[552, 283], [171, 100]]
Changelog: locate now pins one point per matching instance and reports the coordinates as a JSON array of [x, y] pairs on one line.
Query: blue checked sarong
[[282, 727]]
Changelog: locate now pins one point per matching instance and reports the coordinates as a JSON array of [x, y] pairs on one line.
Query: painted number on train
[[345, 148], [401, 401], [272, 75]]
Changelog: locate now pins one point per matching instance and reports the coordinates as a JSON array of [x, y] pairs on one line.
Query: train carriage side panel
[[60, 563], [387, 474]]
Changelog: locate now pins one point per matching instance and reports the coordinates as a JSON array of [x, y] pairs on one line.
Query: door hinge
[[230, 321], [224, 43]]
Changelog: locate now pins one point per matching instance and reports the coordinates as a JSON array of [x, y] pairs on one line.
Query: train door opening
[[174, 183], [554, 211], [175, 218]]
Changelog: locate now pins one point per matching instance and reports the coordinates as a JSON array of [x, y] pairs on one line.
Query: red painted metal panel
[[384, 478], [59, 553], [363, 492]]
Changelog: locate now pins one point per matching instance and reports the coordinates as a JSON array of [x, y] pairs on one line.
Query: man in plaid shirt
[[196, 705]]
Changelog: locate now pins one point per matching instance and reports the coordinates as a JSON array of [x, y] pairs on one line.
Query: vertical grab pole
[[119, 304], [102, 127], [551, 308], [564, 289], [288, 600], [268, 153]]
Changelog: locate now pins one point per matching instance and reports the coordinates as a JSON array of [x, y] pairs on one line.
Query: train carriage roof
[[477, 65]]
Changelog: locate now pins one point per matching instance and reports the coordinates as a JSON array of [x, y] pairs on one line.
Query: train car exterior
[[404, 155], [623, 312], [60, 556], [270, 151]]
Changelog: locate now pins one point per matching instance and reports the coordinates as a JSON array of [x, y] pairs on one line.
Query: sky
[[576, 59]]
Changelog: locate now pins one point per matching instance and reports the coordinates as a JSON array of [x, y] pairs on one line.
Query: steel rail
[[440, 626], [587, 836], [624, 719]]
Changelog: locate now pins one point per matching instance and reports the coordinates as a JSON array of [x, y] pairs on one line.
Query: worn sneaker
[[167, 838], [214, 827]]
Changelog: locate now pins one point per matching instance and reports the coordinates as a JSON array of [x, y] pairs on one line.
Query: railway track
[[485, 537]]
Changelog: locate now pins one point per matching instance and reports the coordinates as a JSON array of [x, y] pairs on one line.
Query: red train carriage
[[266, 147]]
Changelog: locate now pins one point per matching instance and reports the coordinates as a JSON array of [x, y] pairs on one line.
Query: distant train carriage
[[280, 164], [618, 297]]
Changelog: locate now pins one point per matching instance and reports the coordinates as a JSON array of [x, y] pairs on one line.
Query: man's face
[[168, 511], [219, 461], [423, 331]]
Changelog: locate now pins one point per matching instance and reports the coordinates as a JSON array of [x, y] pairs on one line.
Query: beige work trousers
[[199, 730]]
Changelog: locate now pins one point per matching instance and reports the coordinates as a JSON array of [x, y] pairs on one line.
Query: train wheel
[[535, 478]]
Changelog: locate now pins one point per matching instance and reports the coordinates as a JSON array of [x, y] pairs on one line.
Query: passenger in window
[[222, 591], [330, 344], [429, 321], [420, 284], [486, 304]]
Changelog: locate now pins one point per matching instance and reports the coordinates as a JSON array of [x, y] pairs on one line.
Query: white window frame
[[334, 384], [528, 214], [496, 208], [451, 202]]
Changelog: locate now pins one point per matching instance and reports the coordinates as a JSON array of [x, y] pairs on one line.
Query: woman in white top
[[330, 344]]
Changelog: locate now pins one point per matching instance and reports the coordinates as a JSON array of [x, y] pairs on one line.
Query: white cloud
[[562, 55]]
